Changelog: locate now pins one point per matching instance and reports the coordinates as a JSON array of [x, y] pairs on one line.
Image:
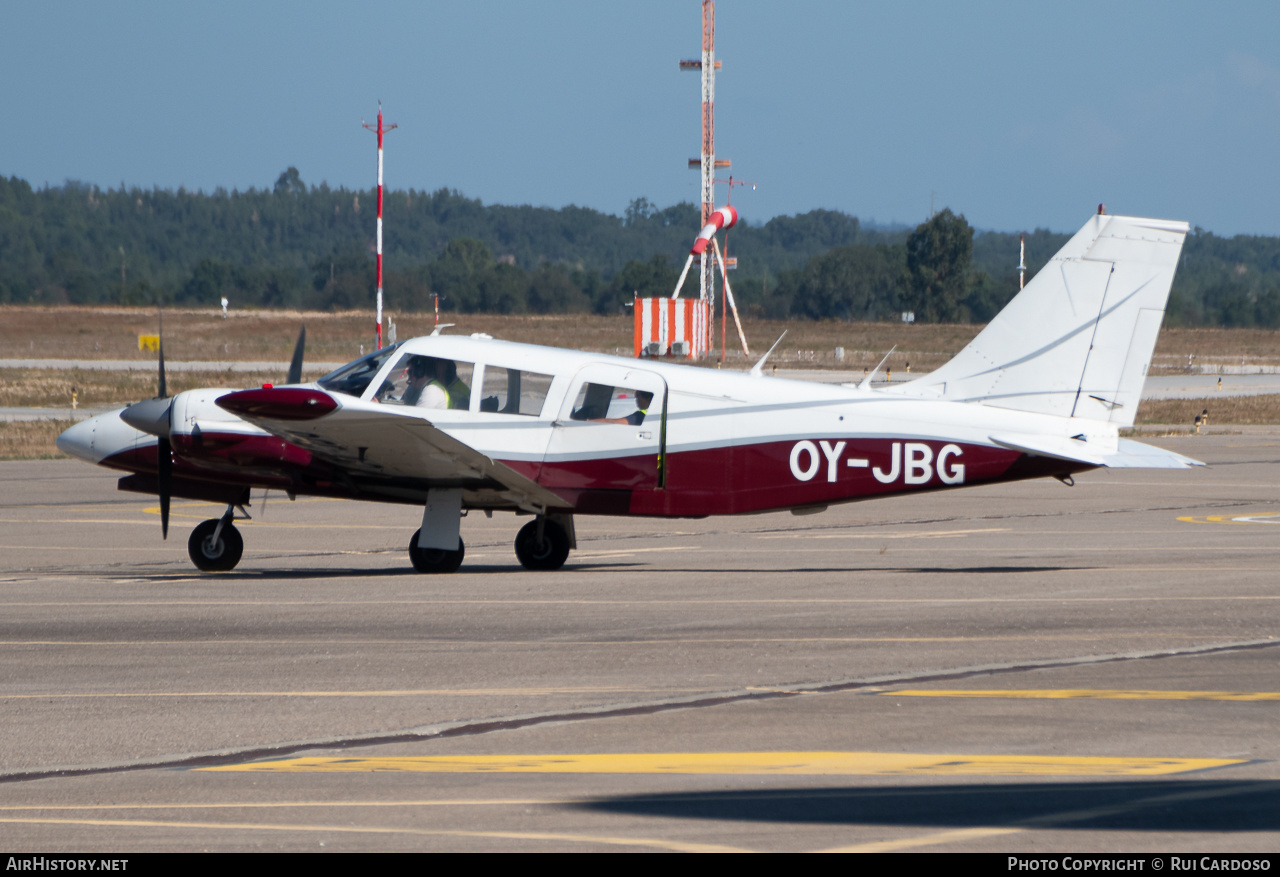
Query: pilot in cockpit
[[434, 383], [425, 388]]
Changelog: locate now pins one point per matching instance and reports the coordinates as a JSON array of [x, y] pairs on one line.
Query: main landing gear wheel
[[550, 553], [432, 560], [218, 556]]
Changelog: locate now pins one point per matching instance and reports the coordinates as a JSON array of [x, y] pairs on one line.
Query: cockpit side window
[[354, 377], [428, 382]]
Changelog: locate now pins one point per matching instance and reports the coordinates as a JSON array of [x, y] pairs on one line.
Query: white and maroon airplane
[[1042, 391]]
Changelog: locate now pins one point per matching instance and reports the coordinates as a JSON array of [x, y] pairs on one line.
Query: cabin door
[[610, 433]]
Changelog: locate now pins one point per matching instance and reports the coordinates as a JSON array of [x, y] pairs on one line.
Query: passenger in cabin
[[595, 401], [459, 392], [643, 400]]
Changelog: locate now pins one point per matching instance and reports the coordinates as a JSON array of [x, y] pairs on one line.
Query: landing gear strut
[[433, 560], [543, 544], [216, 545]]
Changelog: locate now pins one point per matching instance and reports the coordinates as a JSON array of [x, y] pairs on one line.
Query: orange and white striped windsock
[[725, 217]]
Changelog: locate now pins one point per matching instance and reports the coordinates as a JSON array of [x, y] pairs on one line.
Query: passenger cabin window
[[601, 403], [354, 377], [428, 382], [511, 391]]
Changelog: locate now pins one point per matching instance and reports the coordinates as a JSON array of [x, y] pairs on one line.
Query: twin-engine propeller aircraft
[[453, 424]]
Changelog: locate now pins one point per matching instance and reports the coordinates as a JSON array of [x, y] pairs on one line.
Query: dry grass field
[[28, 332], [112, 333], [52, 388], [30, 439], [1261, 410]]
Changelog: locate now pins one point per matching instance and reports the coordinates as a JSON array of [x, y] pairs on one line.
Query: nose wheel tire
[[219, 556], [435, 560], [550, 553]]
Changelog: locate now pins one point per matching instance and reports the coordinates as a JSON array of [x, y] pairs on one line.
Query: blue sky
[[1017, 115]]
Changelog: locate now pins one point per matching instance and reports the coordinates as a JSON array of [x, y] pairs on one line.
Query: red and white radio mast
[[380, 131]]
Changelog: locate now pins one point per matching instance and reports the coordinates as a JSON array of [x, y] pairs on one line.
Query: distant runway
[[1208, 386], [149, 365], [1022, 666], [1156, 386]]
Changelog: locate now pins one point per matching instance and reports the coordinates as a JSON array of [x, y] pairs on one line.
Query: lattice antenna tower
[[707, 161]]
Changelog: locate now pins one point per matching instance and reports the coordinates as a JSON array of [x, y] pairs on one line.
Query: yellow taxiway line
[[724, 763], [1261, 518]]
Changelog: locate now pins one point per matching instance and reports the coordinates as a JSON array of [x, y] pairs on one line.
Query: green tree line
[[295, 245]]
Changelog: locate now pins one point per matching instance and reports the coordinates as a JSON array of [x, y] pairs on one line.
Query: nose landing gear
[[216, 545]]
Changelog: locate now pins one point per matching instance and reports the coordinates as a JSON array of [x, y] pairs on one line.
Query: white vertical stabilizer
[[1078, 340]]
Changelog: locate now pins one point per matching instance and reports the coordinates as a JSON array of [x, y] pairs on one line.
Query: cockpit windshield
[[354, 377]]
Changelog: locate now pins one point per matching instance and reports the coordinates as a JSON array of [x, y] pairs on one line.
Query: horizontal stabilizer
[[1136, 455], [1071, 450], [1127, 454]]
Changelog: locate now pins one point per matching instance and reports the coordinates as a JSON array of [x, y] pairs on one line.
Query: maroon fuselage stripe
[[712, 481], [753, 478]]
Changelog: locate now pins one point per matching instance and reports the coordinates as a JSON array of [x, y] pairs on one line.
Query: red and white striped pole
[[380, 131]]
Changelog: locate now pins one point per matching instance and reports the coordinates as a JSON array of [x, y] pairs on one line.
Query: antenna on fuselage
[[757, 370], [866, 382]]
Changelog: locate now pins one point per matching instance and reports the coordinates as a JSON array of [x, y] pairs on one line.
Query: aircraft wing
[[382, 442], [1128, 454]]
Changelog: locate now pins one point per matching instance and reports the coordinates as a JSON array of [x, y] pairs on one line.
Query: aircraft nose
[[78, 440], [102, 437]]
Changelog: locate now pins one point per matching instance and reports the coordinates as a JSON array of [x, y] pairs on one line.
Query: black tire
[[218, 557], [550, 554], [435, 560]]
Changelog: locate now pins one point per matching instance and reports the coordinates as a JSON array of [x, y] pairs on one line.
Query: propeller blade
[[155, 416], [163, 389], [164, 472], [295, 367]]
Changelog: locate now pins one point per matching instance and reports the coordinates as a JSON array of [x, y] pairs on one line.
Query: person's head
[[643, 399], [421, 368]]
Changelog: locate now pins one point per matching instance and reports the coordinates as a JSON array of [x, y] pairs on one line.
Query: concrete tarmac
[[1017, 667]]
